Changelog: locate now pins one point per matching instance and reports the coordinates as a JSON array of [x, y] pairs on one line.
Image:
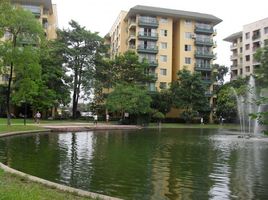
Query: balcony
[[203, 67], [148, 23], [204, 42], [233, 46], [153, 76], [131, 37], [207, 80], [204, 54], [234, 57], [131, 24], [204, 29], [256, 36], [148, 36], [147, 49], [153, 63]]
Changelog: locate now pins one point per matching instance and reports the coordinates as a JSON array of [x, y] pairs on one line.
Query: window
[[163, 20], [163, 32], [163, 85], [266, 42], [241, 71], [163, 72], [187, 60], [163, 58], [187, 47], [247, 46], [247, 57], [241, 49], [163, 45], [188, 22], [247, 68], [188, 35], [247, 35], [266, 30]]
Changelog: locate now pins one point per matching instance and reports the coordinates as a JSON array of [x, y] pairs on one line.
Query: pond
[[146, 164]]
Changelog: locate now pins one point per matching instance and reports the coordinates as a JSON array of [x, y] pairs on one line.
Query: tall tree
[[162, 101], [53, 87], [21, 28], [80, 49], [219, 72], [188, 94]]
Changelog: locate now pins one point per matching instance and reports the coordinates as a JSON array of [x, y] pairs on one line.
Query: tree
[[219, 71], [161, 101], [226, 106], [129, 98], [188, 94], [80, 47], [262, 78], [21, 29], [53, 88]]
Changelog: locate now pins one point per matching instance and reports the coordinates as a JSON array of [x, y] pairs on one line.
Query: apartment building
[[244, 44], [45, 12], [169, 40]]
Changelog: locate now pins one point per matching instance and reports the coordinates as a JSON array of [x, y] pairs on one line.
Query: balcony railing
[[153, 63], [203, 67], [208, 94], [204, 54], [256, 36], [147, 49], [206, 80], [204, 42], [148, 22], [147, 36], [153, 76], [204, 29]]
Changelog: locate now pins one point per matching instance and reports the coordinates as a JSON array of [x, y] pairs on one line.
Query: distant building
[[244, 44]]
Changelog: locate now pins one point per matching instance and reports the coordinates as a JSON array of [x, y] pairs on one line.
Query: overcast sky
[[99, 15]]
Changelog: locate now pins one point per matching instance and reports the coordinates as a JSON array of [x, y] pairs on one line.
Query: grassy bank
[[16, 188], [16, 128]]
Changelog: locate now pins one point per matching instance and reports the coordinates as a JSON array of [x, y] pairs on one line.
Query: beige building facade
[[244, 45], [169, 39]]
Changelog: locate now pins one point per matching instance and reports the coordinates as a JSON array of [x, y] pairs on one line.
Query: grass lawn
[[17, 188], [15, 128]]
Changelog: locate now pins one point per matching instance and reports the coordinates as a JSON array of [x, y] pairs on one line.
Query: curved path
[[65, 127]]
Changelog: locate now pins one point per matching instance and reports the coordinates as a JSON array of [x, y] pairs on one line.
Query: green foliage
[[188, 94], [129, 98], [226, 101], [162, 101], [219, 71], [19, 51], [80, 49], [158, 115]]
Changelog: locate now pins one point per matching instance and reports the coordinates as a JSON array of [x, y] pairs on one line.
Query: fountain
[[246, 105]]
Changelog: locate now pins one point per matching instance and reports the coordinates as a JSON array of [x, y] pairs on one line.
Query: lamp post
[[25, 111]]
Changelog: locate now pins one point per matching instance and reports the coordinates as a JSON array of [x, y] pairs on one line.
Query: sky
[[99, 16]]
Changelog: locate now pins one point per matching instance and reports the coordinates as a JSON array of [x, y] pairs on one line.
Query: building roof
[[234, 36], [46, 3], [148, 10]]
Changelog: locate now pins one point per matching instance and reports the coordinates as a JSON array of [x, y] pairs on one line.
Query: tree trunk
[[8, 94]]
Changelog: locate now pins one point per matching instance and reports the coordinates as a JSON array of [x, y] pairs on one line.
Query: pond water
[[146, 164]]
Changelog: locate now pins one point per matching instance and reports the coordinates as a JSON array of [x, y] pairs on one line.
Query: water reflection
[[146, 164]]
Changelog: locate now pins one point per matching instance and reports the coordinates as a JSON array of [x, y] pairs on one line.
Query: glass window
[[247, 57], [247, 35], [163, 58], [163, 32], [247, 68], [187, 60], [188, 35], [266, 30], [247, 46], [187, 47], [188, 22], [163, 20], [163, 45], [163, 72]]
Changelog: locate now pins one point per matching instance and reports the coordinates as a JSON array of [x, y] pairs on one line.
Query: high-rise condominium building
[[169, 39], [244, 45], [45, 12]]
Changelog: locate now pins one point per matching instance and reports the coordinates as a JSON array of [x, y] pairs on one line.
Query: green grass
[[16, 188], [16, 128]]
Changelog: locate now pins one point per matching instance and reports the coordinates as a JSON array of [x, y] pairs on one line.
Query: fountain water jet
[[246, 105]]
